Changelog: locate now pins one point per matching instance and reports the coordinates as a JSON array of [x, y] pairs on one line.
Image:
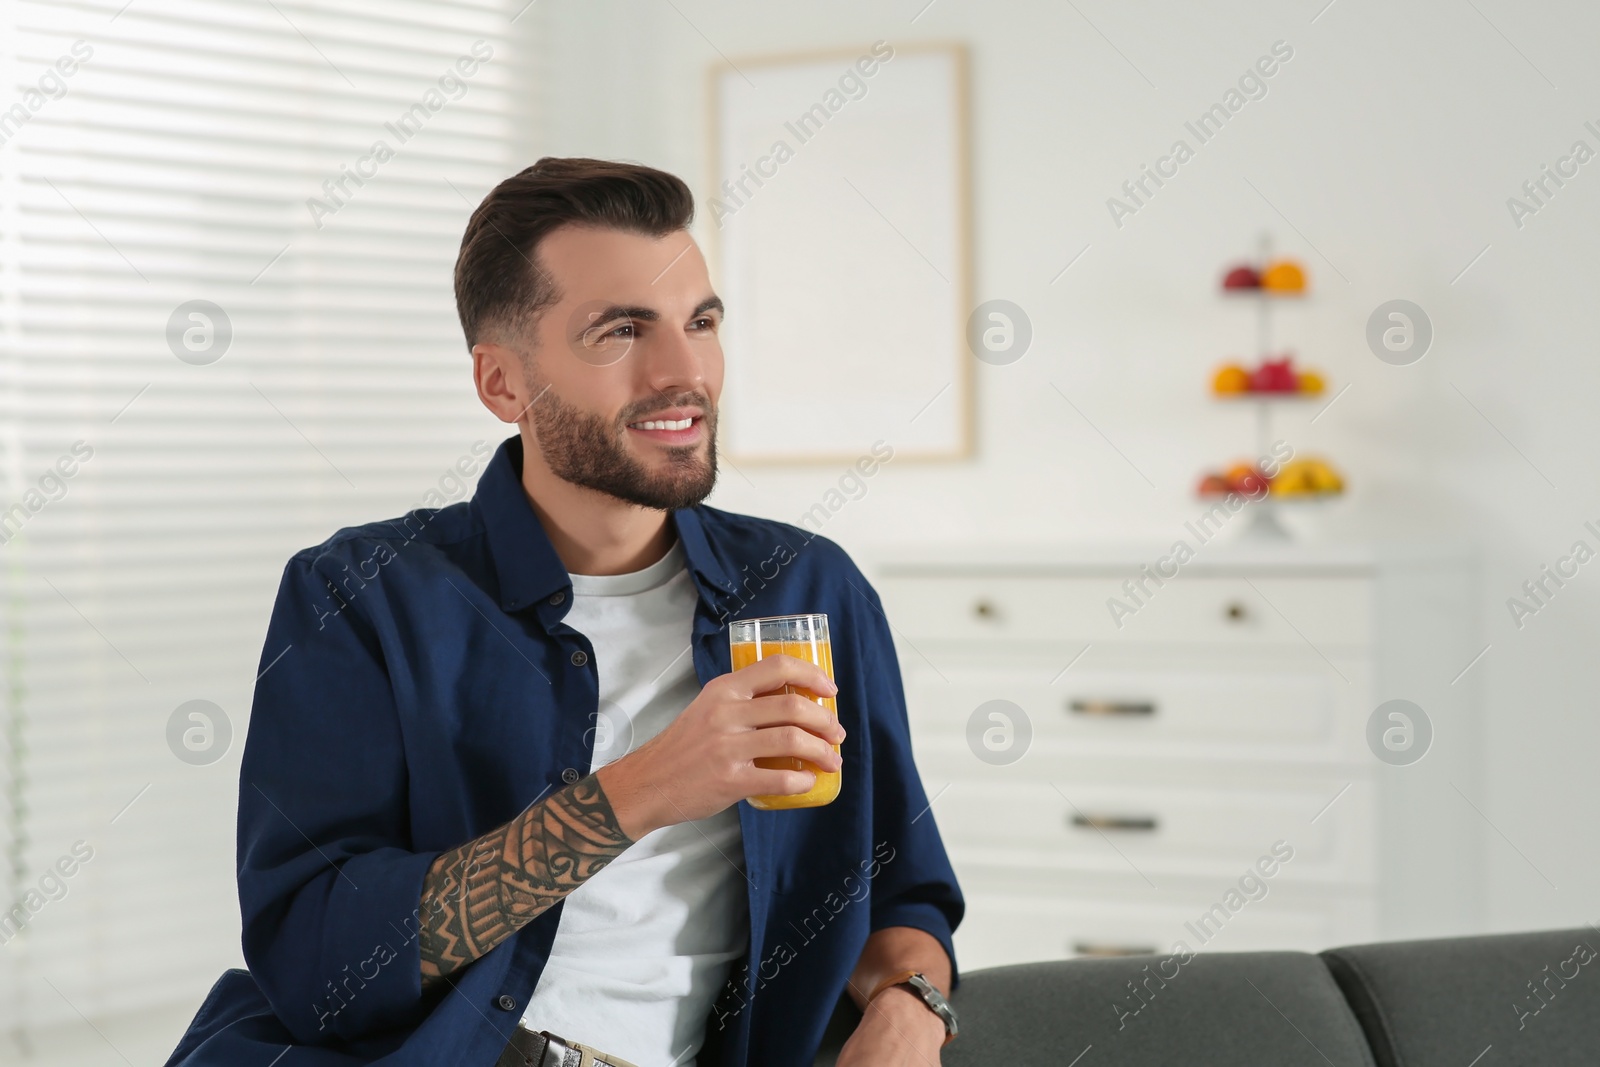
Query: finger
[[791, 742], [775, 672], [763, 782], [782, 709]]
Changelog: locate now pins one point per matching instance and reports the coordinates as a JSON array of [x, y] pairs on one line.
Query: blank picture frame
[[837, 223]]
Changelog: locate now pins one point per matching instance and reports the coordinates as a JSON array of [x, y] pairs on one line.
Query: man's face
[[626, 368]]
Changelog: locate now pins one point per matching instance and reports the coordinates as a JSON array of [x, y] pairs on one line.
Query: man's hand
[[704, 761], [897, 1030]]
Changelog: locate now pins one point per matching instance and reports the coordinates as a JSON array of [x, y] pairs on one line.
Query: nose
[[674, 363]]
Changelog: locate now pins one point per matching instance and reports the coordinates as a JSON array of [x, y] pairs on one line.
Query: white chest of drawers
[[1197, 772]]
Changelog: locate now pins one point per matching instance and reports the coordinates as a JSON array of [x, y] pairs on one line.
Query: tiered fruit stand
[[1274, 380]]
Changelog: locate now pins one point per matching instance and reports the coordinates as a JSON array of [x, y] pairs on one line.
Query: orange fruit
[[1247, 480], [1284, 276], [1231, 379]]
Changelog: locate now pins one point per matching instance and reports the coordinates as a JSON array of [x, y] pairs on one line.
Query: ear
[[498, 372]]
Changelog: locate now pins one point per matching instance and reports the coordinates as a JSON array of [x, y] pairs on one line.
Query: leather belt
[[544, 1049]]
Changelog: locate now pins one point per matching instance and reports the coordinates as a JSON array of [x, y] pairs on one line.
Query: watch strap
[[904, 978], [893, 980]]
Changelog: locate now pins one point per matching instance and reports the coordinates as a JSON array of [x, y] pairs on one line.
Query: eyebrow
[[645, 314]]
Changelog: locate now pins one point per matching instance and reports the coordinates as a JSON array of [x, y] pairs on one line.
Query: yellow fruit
[[1292, 479], [1284, 276], [1310, 382], [1231, 379], [1311, 475]]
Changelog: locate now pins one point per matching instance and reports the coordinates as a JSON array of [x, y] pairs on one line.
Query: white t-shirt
[[644, 947]]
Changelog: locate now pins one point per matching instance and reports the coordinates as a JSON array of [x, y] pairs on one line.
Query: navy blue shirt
[[420, 689]]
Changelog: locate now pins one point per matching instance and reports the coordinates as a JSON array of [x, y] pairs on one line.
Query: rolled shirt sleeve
[[917, 886], [329, 886]]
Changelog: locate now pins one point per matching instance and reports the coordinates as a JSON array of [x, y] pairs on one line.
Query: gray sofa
[[1456, 1002]]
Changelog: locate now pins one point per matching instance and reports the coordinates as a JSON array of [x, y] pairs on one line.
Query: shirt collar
[[525, 561]]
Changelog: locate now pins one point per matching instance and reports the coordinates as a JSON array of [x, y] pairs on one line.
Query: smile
[[663, 424]]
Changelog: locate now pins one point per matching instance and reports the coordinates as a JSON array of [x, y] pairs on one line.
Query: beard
[[591, 451]]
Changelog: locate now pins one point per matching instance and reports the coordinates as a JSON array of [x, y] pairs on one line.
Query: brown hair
[[500, 287]]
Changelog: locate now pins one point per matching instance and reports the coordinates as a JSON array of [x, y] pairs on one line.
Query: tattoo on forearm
[[476, 896]]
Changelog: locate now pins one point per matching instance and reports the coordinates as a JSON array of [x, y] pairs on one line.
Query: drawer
[[971, 609], [1001, 929], [1159, 832], [1238, 707]]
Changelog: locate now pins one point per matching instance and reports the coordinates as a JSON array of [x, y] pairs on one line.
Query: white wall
[[1390, 142]]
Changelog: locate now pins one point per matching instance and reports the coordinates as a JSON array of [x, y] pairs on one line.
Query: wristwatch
[[930, 996]]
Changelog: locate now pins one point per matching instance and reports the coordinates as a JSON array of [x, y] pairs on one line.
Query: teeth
[[664, 424]]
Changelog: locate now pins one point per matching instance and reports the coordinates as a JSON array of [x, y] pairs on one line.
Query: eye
[[705, 322], [597, 334]]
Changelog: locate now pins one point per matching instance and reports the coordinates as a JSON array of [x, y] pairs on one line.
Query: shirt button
[[569, 775], [556, 598], [579, 658], [506, 1002]]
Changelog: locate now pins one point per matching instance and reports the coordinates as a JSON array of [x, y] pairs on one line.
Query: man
[[496, 785]]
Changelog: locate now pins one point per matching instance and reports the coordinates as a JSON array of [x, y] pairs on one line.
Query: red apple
[[1247, 480], [1242, 277], [1274, 376]]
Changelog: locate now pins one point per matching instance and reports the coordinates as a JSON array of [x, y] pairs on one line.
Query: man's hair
[[500, 286]]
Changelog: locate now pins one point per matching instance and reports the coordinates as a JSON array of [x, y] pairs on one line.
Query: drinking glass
[[804, 637]]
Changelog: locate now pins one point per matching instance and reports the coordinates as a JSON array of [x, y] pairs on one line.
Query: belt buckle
[[556, 1049]]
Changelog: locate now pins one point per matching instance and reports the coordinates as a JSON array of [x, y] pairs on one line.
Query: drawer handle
[[986, 610], [1112, 707], [1098, 950], [1141, 823], [1236, 611]]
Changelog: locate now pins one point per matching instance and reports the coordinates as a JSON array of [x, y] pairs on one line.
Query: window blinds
[[226, 329]]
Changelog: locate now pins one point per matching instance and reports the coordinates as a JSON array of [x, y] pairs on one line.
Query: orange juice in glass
[[804, 637]]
